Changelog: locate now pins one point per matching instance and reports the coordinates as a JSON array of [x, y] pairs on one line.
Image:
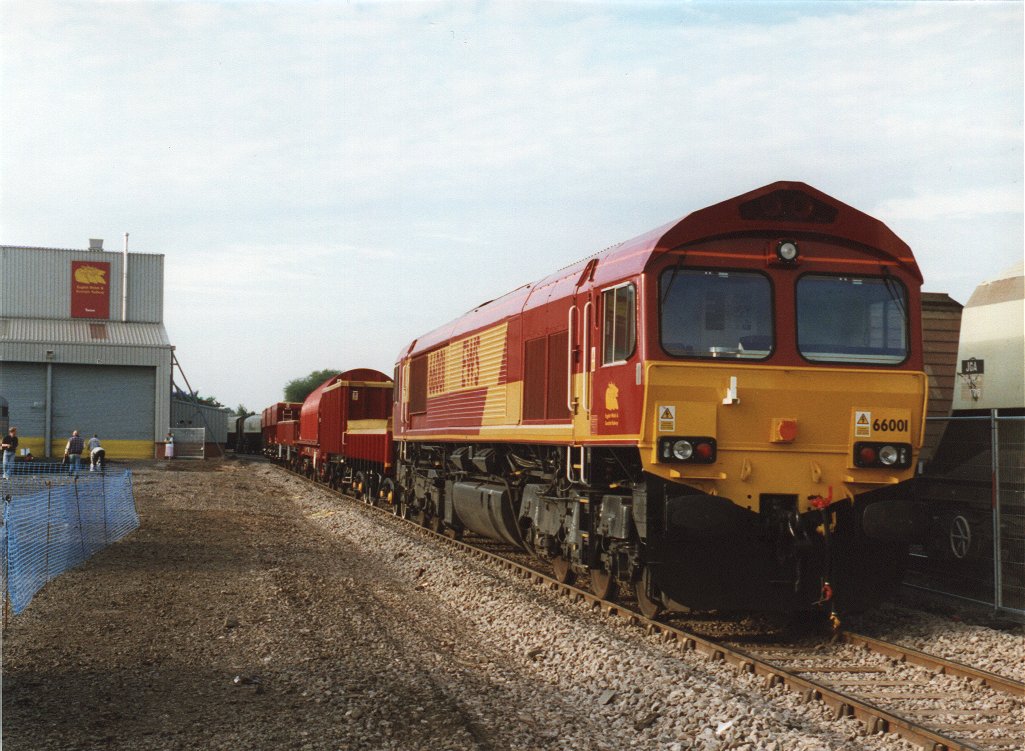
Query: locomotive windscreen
[[722, 314], [852, 319]]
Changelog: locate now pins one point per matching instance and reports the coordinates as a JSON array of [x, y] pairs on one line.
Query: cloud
[[968, 203]]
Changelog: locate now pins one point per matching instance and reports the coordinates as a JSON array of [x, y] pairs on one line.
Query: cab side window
[[620, 323]]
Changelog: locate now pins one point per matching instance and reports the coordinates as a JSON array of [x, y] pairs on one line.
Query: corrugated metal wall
[[186, 414], [36, 283]]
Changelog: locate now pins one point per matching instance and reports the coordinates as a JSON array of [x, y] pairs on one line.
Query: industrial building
[[83, 347]]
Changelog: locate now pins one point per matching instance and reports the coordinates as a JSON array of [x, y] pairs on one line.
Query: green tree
[[243, 411], [193, 396], [298, 389]]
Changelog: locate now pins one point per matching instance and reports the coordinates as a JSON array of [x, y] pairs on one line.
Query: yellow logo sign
[[90, 275], [611, 406], [612, 397]]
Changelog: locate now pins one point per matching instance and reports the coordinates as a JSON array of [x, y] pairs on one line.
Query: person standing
[[9, 446], [97, 454], [73, 451], [169, 446]]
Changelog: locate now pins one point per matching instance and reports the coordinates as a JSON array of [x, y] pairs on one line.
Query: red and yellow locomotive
[[721, 412]]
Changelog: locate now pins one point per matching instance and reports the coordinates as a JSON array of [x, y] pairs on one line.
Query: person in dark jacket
[[73, 451], [8, 446]]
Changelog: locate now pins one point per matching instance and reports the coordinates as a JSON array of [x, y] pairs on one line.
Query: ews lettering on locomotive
[[470, 371]]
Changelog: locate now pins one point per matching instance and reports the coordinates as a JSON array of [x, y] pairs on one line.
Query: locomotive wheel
[[603, 584], [649, 605], [564, 573], [359, 487]]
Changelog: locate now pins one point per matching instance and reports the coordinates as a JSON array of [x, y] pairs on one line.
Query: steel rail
[[940, 664], [874, 718]]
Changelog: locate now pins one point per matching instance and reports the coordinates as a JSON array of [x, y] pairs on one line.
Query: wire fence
[[972, 494], [56, 518]]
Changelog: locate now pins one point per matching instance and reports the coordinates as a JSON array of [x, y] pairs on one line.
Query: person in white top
[[97, 454]]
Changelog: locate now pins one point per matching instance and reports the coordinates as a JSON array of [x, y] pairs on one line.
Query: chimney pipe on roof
[[124, 282], [95, 244]]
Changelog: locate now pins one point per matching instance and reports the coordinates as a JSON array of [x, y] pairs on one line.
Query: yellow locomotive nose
[[800, 432]]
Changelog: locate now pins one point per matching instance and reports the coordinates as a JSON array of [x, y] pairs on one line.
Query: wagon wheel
[[436, 523], [564, 573], [650, 605], [389, 498], [359, 486], [603, 584]]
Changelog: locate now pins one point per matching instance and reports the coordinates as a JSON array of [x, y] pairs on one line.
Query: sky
[[329, 180]]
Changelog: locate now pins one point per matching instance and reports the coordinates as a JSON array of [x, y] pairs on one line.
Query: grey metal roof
[[83, 331]]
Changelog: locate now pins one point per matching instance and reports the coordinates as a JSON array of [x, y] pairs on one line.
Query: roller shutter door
[[116, 402], [23, 385]]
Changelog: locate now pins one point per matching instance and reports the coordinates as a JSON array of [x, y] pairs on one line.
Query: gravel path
[[253, 610]]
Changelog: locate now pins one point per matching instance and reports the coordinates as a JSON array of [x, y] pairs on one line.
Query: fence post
[[998, 574], [46, 557], [103, 491], [7, 572], [81, 529]]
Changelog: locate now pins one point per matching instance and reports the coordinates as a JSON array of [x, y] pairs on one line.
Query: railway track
[[932, 702]]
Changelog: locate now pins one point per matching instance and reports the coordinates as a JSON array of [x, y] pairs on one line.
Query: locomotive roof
[[785, 207]]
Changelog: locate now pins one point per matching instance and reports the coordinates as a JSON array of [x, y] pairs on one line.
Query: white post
[[124, 282]]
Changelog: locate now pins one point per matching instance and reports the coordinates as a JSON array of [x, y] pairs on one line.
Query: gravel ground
[[252, 610], [955, 635]]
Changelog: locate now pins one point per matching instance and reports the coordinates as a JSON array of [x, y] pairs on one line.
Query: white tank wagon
[[973, 496], [991, 350]]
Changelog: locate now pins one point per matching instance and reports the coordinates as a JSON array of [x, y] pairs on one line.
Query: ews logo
[[469, 374]]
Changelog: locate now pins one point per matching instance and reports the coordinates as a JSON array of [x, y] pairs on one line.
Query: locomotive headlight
[[786, 251], [888, 455], [682, 450]]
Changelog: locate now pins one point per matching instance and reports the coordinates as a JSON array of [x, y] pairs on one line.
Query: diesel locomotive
[[721, 413]]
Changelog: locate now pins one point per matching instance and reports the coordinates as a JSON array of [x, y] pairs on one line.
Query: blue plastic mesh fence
[[55, 520]]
